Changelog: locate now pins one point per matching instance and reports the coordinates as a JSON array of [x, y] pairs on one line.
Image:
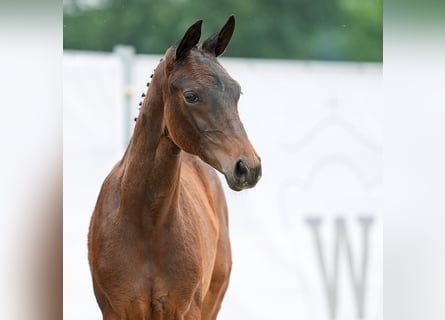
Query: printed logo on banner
[[337, 175], [357, 265]]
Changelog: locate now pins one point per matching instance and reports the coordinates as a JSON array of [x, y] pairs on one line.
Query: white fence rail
[[307, 241]]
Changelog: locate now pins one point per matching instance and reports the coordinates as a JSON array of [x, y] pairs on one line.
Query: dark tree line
[[289, 29]]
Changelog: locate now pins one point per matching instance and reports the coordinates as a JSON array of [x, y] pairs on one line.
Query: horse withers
[[158, 240]]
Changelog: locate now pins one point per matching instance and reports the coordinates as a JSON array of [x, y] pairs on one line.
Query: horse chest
[[150, 273], [183, 248], [177, 257]]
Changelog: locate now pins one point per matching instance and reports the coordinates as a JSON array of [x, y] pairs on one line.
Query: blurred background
[[307, 240], [338, 30]]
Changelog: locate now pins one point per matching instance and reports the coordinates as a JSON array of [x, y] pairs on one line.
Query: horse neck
[[152, 162]]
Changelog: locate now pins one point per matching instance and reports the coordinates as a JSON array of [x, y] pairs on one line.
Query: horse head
[[201, 107]]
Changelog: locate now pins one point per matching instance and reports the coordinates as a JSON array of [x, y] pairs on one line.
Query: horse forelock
[[202, 67]]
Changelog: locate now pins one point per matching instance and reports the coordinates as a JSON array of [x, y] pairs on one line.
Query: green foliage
[[286, 29]]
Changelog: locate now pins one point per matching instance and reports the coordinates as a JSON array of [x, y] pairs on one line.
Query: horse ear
[[189, 40], [217, 43]]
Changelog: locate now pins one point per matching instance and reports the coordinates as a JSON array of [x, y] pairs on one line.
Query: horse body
[[152, 264], [159, 241]]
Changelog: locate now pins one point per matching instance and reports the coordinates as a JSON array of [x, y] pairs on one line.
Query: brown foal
[[158, 240]]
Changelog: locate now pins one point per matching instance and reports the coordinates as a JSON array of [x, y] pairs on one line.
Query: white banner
[[307, 240]]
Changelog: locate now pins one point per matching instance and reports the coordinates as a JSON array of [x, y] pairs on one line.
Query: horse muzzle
[[244, 175]]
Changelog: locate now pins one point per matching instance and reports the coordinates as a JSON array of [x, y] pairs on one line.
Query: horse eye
[[191, 97]]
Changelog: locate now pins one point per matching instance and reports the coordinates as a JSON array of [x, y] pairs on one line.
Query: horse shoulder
[[105, 214]]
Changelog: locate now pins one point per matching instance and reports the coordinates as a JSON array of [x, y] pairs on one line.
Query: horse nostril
[[258, 172], [240, 169]]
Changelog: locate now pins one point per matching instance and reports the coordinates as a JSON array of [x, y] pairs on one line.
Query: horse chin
[[235, 185]]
